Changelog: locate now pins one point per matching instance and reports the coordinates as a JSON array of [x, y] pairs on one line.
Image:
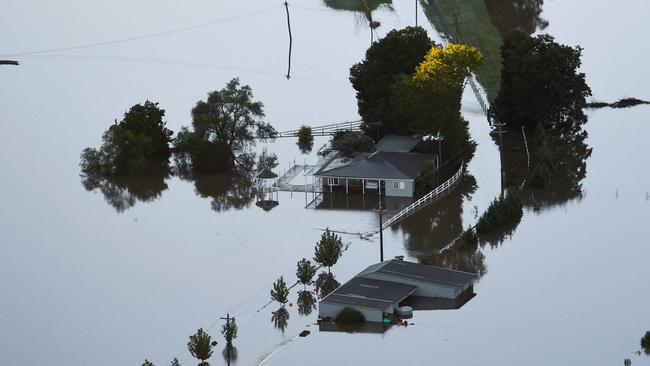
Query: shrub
[[468, 238], [350, 316], [305, 139], [349, 142], [501, 212], [645, 342]]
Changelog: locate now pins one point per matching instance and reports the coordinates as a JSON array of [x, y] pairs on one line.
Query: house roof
[[369, 293], [266, 174], [395, 143], [379, 165], [421, 273]]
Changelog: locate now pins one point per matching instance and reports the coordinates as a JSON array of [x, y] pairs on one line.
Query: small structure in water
[[381, 290], [265, 186]]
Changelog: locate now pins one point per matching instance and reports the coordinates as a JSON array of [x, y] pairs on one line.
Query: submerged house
[[380, 289], [390, 170]]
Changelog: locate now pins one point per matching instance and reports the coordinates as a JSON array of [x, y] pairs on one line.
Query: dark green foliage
[[501, 212], [280, 318], [326, 283], [147, 363], [225, 127], [200, 345], [541, 85], [229, 331], [349, 316], [280, 292], [175, 362], [469, 238], [543, 161], [133, 146], [349, 142], [328, 250], [266, 161], [374, 79], [645, 343], [357, 5], [305, 139], [305, 271], [426, 181], [306, 302], [523, 15]]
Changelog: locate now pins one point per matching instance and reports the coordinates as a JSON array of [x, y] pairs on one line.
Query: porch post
[[346, 185], [363, 186], [329, 181]]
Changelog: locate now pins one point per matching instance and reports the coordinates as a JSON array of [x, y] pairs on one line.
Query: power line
[[144, 36]]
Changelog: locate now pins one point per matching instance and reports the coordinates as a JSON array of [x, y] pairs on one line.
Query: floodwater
[[114, 277]]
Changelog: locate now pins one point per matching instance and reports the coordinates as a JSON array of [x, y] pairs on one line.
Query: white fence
[[427, 199]]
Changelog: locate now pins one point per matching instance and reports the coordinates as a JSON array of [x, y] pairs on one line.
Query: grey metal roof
[[380, 165], [397, 143], [369, 293], [266, 174], [421, 272]]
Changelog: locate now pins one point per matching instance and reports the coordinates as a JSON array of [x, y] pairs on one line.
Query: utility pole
[[498, 124], [381, 212], [416, 13]]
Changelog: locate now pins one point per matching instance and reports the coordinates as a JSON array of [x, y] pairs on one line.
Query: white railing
[[427, 199], [325, 130]]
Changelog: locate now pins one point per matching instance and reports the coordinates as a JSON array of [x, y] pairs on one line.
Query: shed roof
[[369, 293], [266, 174], [380, 165], [397, 143], [421, 272]]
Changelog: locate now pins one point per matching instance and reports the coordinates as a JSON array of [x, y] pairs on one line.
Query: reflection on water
[[358, 5], [229, 354], [326, 283], [367, 327], [123, 192], [306, 302], [280, 318], [524, 15], [339, 200], [570, 154], [226, 191]]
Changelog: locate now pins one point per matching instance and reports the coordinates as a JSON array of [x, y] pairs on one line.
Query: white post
[[346, 185], [363, 186]]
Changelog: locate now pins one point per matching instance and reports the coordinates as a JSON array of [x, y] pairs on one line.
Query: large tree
[[136, 145], [541, 84], [225, 128], [374, 78]]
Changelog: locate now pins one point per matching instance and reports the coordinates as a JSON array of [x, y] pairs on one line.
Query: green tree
[[266, 160], [200, 346], [225, 128], [328, 250], [375, 78], [136, 145], [305, 272], [540, 84], [147, 363], [229, 331], [305, 139], [280, 292], [349, 142], [175, 362]]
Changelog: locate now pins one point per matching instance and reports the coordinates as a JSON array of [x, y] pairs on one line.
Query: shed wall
[[332, 310]]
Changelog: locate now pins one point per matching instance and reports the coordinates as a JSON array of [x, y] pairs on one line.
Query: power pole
[[381, 212], [416, 13]]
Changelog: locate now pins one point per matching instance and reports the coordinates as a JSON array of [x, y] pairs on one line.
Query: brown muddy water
[[112, 279]]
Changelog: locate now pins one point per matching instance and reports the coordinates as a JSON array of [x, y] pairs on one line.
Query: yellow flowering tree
[[431, 96]]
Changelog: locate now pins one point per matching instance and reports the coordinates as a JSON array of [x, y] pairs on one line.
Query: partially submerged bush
[[350, 316], [645, 343], [469, 238], [305, 139], [501, 212]]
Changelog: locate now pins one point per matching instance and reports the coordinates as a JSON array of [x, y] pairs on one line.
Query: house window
[[398, 184], [334, 181]]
